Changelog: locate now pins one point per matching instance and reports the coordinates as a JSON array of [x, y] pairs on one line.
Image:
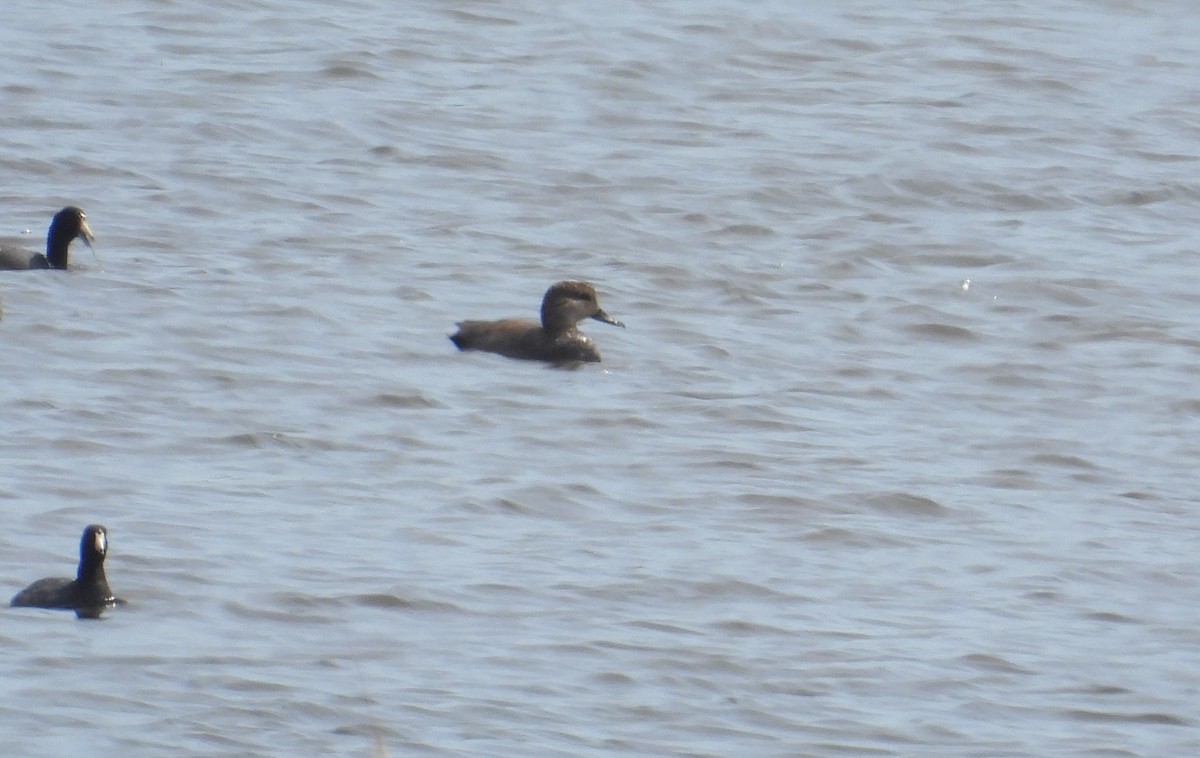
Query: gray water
[[896, 456]]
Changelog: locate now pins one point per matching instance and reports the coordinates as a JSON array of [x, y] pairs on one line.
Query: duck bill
[[602, 316]]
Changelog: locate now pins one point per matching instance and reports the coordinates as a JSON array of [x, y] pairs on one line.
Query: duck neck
[[91, 568], [556, 322], [57, 243]]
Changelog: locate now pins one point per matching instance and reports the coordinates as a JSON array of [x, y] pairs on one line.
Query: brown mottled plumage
[[556, 339]]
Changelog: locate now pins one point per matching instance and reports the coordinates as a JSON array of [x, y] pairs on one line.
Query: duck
[[87, 594], [556, 339], [67, 225]]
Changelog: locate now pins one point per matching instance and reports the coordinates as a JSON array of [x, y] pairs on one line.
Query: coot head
[[93, 547], [67, 225]]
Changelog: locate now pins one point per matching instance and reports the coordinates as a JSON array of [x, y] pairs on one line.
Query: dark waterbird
[[88, 593], [67, 225], [556, 339]]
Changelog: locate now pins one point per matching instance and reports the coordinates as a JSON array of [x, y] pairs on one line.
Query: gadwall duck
[[88, 593], [556, 339], [69, 223]]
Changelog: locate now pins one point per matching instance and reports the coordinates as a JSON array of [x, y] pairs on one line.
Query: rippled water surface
[[896, 456]]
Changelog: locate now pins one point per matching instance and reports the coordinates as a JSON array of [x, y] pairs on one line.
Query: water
[[895, 457]]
